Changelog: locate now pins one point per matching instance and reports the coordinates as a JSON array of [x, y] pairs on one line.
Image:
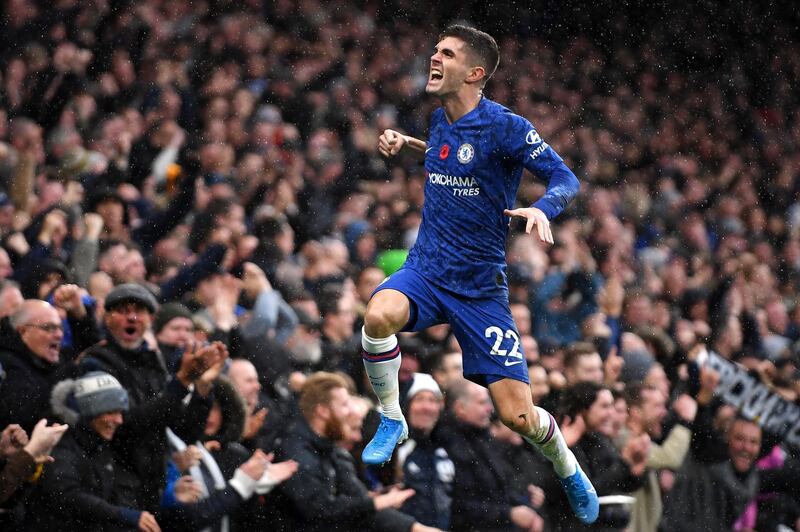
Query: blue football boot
[[390, 432], [582, 496]]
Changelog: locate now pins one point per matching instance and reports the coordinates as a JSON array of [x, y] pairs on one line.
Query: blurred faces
[[127, 323], [540, 387], [106, 425], [214, 420], [340, 323], [113, 214], [112, 260], [522, 317], [476, 408], [408, 366], [620, 415], [355, 420], [424, 410], [40, 328], [650, 414], [134, 270], [368, 281], [657, 378], [450, 370], [600, 416], [10, 299], [638, 310], [178, 332], [744, 444], [305, 345], [587, 368], [244, 377], [335, 414]]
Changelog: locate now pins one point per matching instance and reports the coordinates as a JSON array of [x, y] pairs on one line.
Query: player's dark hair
[[482, 45]]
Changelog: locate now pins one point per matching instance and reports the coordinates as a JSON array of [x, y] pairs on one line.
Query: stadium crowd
[[193, 215]]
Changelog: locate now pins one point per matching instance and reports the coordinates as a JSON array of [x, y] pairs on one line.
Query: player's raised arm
[[392, 142]]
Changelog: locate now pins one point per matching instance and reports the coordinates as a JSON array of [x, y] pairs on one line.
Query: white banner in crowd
[[754, 400]]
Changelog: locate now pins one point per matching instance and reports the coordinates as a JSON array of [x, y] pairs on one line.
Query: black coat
[[156, 402], [610, 475], [430, 472], [25, 393], [325, 494], [482, 493], [78, 491], [271, 433]]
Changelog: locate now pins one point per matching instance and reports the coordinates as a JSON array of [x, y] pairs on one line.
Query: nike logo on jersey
[[509, 363], [428, 149]]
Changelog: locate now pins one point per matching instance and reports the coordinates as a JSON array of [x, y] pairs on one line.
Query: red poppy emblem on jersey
[[444, 152]]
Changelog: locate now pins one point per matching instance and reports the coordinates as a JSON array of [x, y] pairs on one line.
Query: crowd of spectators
[[193, 215]]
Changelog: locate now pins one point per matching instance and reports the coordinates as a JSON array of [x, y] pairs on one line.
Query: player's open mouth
[[436, 73]]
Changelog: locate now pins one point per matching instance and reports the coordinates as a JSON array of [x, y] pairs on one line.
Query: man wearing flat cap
[[155, 393]]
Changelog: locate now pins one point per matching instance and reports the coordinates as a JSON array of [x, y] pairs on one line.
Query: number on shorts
[[497, 332]]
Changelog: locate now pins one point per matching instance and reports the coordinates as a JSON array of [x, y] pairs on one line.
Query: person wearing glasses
[[30, 354], [179, 399]]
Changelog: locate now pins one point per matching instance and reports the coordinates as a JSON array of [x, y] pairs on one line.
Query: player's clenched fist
[[391, 142]]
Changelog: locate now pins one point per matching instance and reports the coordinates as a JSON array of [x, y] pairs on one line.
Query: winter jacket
[[219, 510], [708, 496], [708, 493], [78, 491], [325, 494], [482, 494], [25, 393], [609, 474], [430, 472], [156, 402]]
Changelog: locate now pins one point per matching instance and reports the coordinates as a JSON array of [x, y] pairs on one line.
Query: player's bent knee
[[381, 321]]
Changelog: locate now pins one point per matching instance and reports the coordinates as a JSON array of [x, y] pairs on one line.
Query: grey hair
[[21, 317], [459, 391]]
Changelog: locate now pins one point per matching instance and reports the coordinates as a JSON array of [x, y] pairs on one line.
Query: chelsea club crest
[[465, 153]]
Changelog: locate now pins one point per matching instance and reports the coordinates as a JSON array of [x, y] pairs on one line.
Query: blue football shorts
[[483, 327]]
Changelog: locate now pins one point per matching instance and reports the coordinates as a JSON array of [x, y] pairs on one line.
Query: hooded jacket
[[78, 491], [156, 402]]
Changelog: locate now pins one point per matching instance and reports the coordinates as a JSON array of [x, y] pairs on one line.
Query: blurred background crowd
[[193, 215]]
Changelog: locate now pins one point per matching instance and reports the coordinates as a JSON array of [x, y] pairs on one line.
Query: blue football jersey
[[473, 169]]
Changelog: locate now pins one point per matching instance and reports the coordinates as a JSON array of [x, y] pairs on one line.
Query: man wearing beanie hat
[[426, 467], [173, 327], [79, 491], [156, 391]]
